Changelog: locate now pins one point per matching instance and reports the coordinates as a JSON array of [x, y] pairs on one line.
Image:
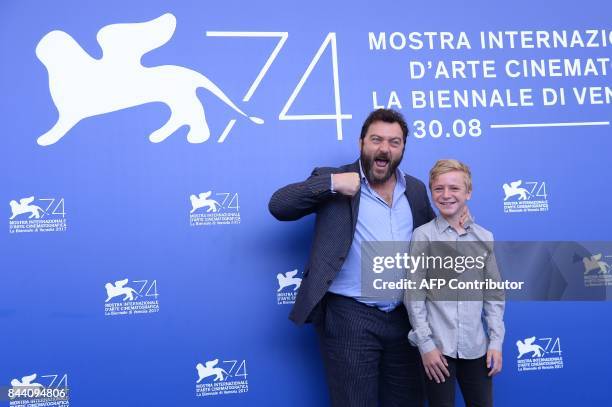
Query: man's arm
[[302, 198]]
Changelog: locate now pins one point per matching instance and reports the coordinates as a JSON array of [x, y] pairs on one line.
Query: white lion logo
[[202, 201], [26, 381], [23, 206], [82, 86], [595, 263], [529, 346], [513, 189], [288, 279], [118, 289], [209, 369]]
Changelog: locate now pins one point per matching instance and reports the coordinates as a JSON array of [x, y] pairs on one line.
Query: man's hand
[[494, 356], [435, 365], [346, 183], [465, 216]]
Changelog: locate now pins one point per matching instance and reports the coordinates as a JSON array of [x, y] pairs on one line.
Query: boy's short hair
[[448, 165]]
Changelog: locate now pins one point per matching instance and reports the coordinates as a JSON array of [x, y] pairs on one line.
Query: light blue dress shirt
[[376, 221]]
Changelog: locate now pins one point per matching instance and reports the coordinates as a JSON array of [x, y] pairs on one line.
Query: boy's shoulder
[[429, 229], [481, 232], [425, 231]]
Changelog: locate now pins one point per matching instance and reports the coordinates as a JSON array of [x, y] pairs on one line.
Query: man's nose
[[446, 193], [384, 146]]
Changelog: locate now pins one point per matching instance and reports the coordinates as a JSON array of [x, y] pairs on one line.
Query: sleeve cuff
[[495, 345], [427, 346], [331, 183]]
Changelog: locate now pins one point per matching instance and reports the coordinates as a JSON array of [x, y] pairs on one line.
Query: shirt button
[[341, 258], [329, 282]]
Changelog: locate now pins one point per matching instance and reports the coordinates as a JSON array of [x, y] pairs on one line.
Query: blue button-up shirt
[[376, 221]]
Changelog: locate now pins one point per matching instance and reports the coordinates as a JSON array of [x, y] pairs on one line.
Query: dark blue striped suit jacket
[[334, 229]]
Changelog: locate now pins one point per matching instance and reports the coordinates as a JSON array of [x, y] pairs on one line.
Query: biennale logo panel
[[125, 297], [35, 390], [37, 215], [288, 286], [220, 208], [221, 377], [539, 354], [83, 87], [524, 197]]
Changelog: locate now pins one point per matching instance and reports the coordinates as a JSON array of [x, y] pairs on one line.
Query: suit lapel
[[411, 194], [354, 167]]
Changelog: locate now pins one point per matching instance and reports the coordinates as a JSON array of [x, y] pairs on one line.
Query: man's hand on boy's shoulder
[[465, 216]]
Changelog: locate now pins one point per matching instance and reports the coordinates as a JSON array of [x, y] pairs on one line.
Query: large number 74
[[329, 41]]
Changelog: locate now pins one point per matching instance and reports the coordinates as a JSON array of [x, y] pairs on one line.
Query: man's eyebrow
[[390, 137]]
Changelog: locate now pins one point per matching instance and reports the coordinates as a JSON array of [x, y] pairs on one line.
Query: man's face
[[382, 149], [450, 194]]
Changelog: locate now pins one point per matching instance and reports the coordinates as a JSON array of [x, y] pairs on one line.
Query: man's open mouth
[[381, 162]]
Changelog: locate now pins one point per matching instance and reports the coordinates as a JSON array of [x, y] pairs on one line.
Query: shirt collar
[[442, 224]]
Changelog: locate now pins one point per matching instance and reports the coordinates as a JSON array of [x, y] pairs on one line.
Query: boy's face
[[450, 194]]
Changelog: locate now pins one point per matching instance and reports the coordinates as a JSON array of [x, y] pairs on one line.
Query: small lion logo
[[120, 288], [209, 369], [529, 346], [26, 381], [287, 280], [23, 206], [513, 189], [202, 201], [595, 263], [82, 86]]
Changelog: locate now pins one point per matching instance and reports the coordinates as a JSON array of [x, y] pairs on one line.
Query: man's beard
[[367, 162]]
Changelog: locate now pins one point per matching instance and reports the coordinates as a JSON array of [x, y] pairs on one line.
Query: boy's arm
[[434, 362], [414, 300], [494, 304]]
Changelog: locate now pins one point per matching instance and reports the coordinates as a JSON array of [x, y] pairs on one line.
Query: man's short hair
[[387, 116], [448, 165]]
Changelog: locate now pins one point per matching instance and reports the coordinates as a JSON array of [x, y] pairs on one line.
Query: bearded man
[[366, 353]]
